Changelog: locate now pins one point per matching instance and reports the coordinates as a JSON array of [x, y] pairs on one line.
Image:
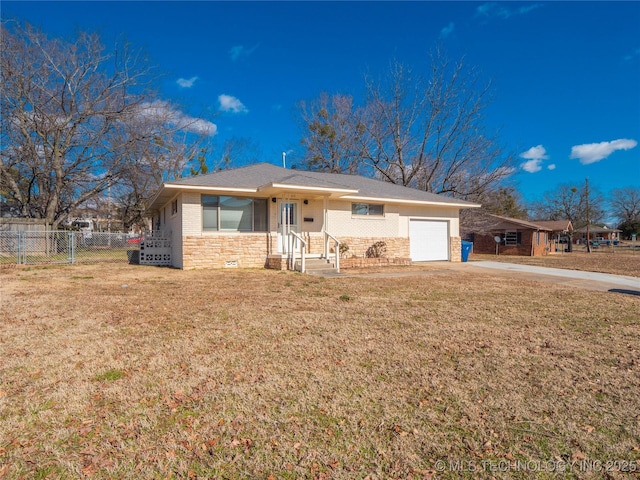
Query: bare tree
[[423, 134], [162, 144], [333, 134], [236, 150], [78, 119], [505, 202], [501, 201], [625, 204], [567, 202]]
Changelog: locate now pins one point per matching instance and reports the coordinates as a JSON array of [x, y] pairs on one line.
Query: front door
[[287, 222]]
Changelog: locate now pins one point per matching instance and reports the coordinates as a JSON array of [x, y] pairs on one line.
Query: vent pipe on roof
[[284, 159]]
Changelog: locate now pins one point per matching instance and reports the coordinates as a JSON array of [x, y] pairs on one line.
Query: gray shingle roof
[[261, 174], [556, 225], [522, 223]]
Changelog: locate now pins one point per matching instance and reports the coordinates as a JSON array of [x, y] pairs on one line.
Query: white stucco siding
[[394, 222], [313, 210], [172, 225], [341, 222], [434, 212], [192, 214]]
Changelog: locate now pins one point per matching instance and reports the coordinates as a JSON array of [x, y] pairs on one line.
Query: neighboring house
[[511, 236], [262, 215], [598, 234], [561, 234]]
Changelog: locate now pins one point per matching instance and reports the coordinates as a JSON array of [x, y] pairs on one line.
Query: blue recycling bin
[[466, 249]]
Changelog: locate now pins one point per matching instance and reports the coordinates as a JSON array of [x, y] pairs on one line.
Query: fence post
[[19, 243], [71, 252]]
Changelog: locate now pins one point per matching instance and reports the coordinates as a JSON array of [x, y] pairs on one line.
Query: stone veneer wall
[[396, 246], [252, 250], [248, 250], [356, 262], [455, 249], [314, 243]]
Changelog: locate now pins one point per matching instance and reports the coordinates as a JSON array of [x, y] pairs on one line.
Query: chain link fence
[[51, 247]]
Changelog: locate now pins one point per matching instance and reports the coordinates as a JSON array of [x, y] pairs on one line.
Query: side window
[[371, 209]]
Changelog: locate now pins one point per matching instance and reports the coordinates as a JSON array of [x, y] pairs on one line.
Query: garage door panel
[[428, 240]]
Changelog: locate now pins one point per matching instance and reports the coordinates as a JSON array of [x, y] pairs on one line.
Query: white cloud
[[538, 152], [186, 83], [493, 9], [236, 52], [594, 152], [162, 111], [534, 157], [527, 9], [485, 9], [200, 125], [231, 104], [632, 55], [532, 166], [448, 30], [552, 166], [240, 51]]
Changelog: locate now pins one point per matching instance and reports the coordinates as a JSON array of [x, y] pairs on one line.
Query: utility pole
[[586, 195], [109, 215]]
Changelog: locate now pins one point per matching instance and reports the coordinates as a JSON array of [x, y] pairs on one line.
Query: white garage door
[[428, 240]]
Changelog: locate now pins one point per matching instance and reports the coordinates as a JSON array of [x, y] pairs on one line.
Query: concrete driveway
[[589, 280]]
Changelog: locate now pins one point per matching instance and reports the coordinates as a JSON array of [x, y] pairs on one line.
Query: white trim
[[283, 229], [211, 189], [410, 202], [343, 194]]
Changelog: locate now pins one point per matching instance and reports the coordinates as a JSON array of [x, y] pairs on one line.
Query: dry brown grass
[[618, 263], [142, 372]]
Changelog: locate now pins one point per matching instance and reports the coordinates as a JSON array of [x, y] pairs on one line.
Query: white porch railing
[[302, 244], [327, 238]]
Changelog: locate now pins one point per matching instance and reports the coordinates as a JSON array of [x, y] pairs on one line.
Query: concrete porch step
[[317, 266]]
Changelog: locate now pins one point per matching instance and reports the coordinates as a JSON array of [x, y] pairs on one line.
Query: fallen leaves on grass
[[218, 374]]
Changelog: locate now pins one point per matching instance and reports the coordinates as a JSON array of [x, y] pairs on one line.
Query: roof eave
[[411, 202], [168, 190], [203, 188]]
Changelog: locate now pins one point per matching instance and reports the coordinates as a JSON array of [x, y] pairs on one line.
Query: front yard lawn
[[143, 372]]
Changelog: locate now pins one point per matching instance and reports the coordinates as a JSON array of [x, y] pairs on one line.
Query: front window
[[210, 212], [512, 239], [373, 209], [237, 214]]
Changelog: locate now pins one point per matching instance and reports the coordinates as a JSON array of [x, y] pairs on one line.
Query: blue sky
[[566, 75]]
